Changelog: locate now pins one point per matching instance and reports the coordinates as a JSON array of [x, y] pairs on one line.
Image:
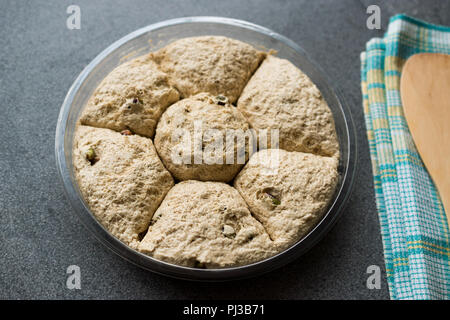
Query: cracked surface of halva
[[214, 64], [290, 199], [133, 96], [126, 184], [280, 96], [206, 224], [213, 150]]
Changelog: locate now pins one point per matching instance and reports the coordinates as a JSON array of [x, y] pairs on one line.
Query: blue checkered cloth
[[413, 223]]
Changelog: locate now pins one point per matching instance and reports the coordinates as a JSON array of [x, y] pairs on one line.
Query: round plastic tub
[[153, 37]]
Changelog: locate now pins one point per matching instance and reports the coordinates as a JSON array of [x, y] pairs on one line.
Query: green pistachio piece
[[275, 200], [221, 100], [91, 156]]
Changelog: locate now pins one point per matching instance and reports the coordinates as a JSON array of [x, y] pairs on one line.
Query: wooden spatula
[[425, 92]]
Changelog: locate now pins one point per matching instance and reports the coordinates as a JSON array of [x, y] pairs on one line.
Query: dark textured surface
[[39, 234]]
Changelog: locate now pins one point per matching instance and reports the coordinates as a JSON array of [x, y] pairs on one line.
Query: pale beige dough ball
[[214, 64], [121, 179], [178, 143], [288, 192], [205, 225], [280, 96], [133, 96]]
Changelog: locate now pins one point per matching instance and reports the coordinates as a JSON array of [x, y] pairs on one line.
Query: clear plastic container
[[153, 37]]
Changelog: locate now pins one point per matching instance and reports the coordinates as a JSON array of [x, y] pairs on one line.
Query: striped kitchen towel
[[414, 227]]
